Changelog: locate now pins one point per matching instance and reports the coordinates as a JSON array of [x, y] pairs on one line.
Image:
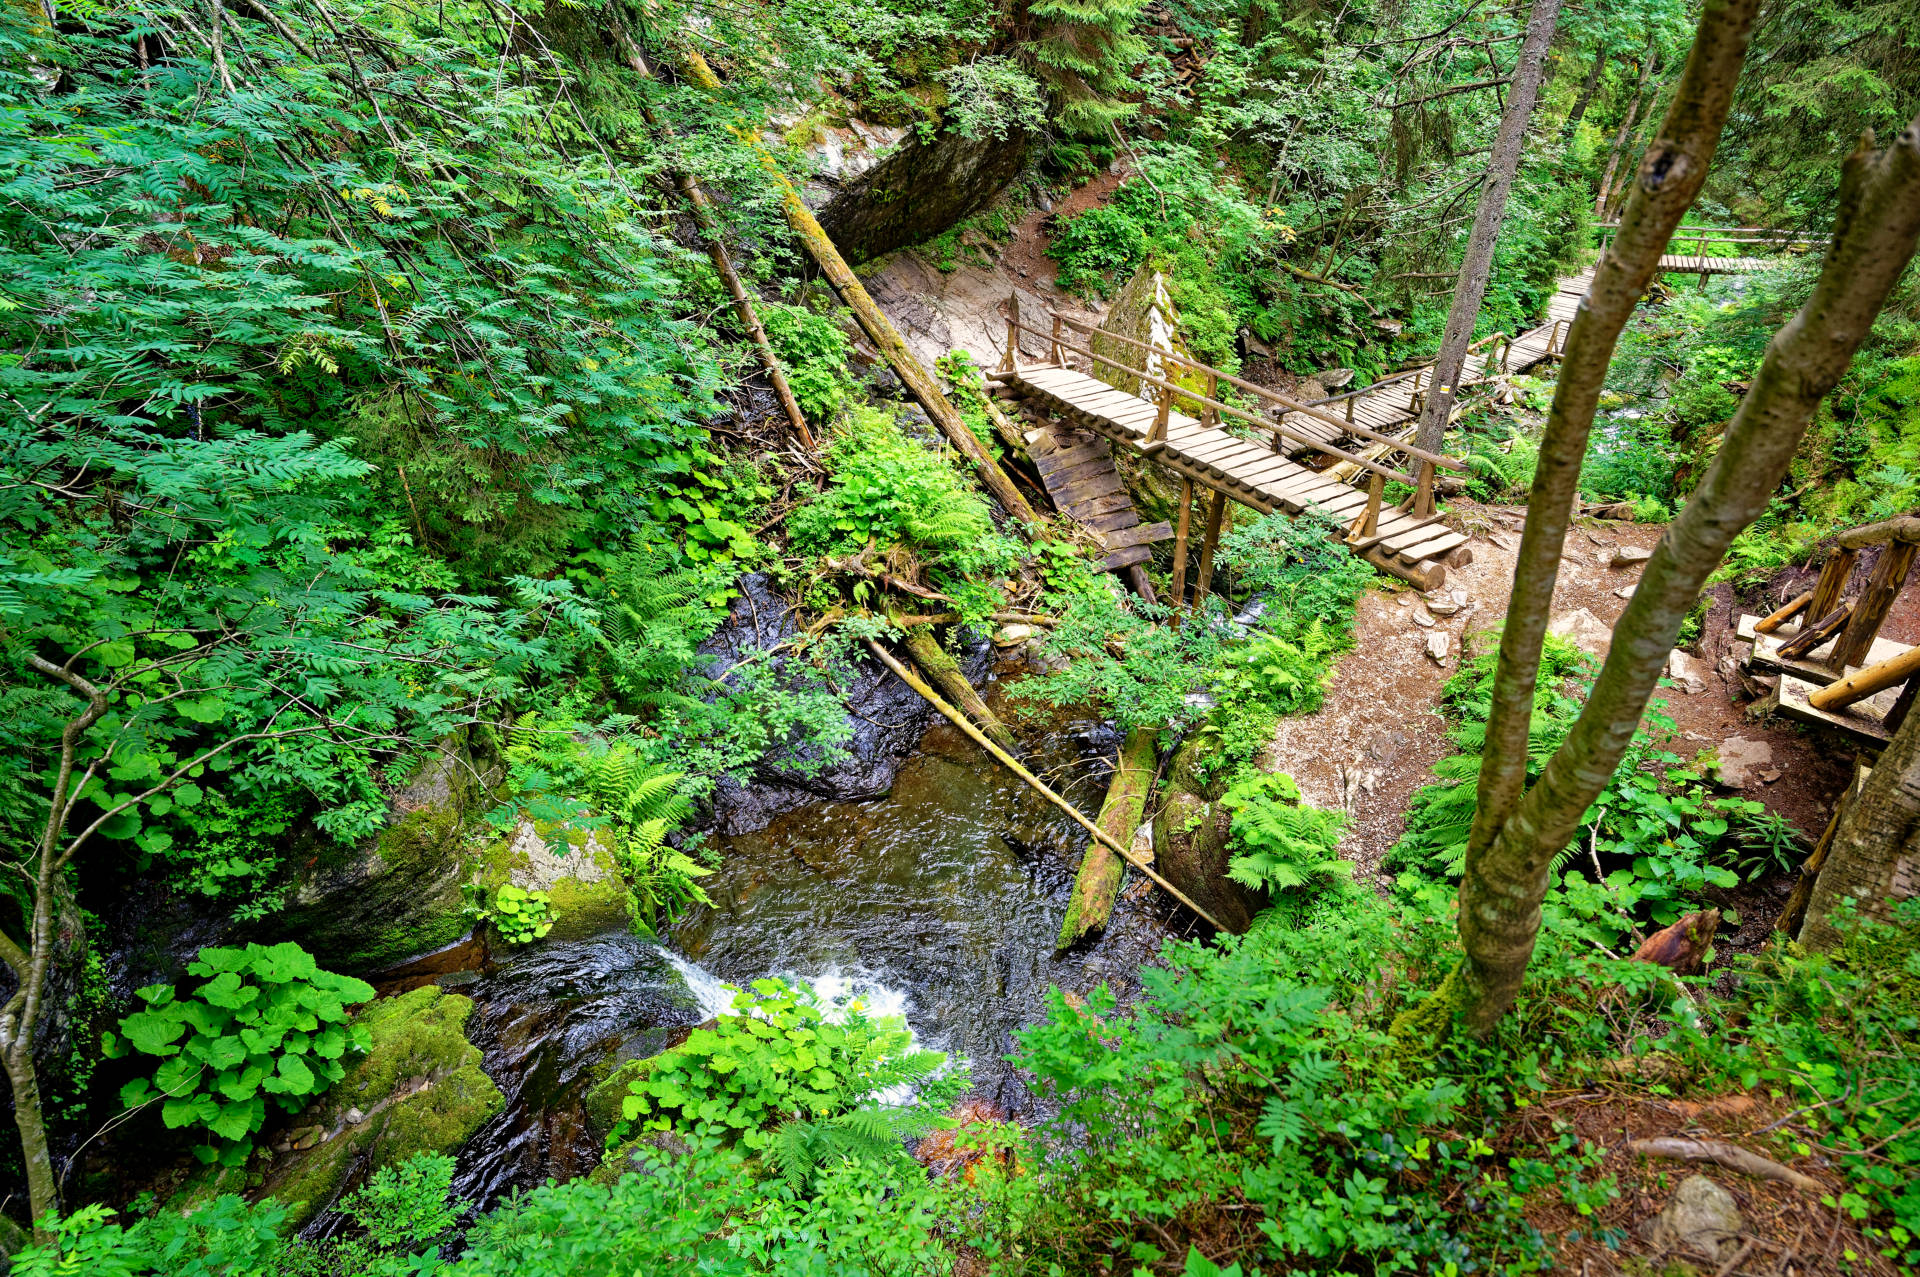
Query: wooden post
[[1180, 542], [1210, 416], [1898, 714], [1214, 513], [1350, 399], [1832, 583], [1423, 498], [1814, 634], [1157, 437], [1870, 610], [1054, 354], [1012, 362], [1368, 524], [1506, 352]]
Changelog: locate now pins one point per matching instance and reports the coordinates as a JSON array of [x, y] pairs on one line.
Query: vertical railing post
[[1210, 415], [1368, 524], [1423, 497], [1157, 436], [1350, 398], [1205, 583], [1011, 363], [1180, 533], [1054, 354]]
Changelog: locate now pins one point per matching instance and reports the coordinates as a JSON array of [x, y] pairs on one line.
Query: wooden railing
[[1856, 622], [1211, 408], [1736, 236]]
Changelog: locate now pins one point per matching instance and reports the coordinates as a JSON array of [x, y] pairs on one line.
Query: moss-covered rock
[[367, 907], [420, 1089], [1190, 837], [603, 1101], [578, 872]]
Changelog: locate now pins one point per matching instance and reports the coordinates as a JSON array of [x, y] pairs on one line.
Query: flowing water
[[939, 902]]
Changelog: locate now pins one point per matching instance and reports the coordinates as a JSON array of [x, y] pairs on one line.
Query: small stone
[[1701, 1217], [1739, 760], [1603, 557], [1142, 845], [1504, 541], [1769, 776], [1686, 672], [355, 1117], [1421, 618], [1437, 644], [1012, 635], [1625, 591], [305, 1137], [1628, 556], [1442, 604]]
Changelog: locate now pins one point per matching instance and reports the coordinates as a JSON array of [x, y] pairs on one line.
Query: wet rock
[[1628, 556], [419, 1090], [1701, 1217], [1012, 635], [1740, 759], [887, 719], [366, 907], [1583, 629], [575, 868]]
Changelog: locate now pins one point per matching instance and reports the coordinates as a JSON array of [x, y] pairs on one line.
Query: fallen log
[[1816, 634], [1097, 885], [946, 674], [1774, 620], [1861, 684], [1012, 764], [873, 321]]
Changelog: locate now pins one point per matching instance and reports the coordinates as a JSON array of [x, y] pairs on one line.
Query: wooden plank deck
[[1250, 473], [1077, 469]]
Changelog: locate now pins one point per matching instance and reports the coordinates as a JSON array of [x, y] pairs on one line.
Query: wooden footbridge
[[1266, 472]]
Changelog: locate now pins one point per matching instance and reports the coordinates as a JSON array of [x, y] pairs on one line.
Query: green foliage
[[645, 804], [813, 351], [225, 1238], [405, 1205], [1279, 842], [1084, 52], [992, 97], [266, 1022], [781, 1059], [518, 915], [891, 492], [1097, 250]]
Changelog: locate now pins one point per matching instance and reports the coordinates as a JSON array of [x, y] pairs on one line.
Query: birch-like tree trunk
[[1620, 135], [1580, 103], [1513, 843], [1875, 855], [1470, 286]]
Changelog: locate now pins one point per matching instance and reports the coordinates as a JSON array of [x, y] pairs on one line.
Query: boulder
[[420, 1089], [1700, 1217], [920, 189], [1583, 629], [1687, 673], [1629, 556], [1190, 837], [366, 907], [578, 872]]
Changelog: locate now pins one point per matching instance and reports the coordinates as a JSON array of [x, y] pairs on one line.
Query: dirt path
[[1376, 740]]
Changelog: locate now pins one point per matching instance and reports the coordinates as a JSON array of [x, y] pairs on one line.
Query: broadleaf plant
[[266, 1024]]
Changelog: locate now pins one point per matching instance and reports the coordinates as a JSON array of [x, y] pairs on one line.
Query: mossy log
[[1097, 885], [946, 674], [1191, 836], [873, 321]]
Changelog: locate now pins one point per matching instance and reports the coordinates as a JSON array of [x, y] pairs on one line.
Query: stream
[[940, 901]]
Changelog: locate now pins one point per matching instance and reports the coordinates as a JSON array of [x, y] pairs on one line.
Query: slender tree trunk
[[1620, 134], [1874, 857], [1617, 198], [1874, 238], [874, 322], [1470, 287], [1579, 111], [722, 262]]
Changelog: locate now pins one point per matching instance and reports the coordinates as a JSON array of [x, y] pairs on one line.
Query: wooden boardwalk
[[1264, 475], [1251, 473]]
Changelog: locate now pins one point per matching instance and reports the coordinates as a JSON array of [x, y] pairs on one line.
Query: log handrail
[[1279, 427], [1177, 389], [1905, 527]]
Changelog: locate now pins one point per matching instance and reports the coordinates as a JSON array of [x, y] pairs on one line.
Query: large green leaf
[[153, 1032]]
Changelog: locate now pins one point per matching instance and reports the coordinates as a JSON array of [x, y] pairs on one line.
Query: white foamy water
[[836, 991]]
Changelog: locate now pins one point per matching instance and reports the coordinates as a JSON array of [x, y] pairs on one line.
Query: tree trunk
[[1874, 238], [1579, 111], [1874, 858], [1470, 287], [1098, 884], [946, 674], [1620, 135], [722, 263], [874, 322], [43, 1190], [1617, 198]]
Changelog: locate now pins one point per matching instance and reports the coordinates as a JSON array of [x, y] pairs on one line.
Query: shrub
[[814, 352], [266, 1022], [1097, 250]]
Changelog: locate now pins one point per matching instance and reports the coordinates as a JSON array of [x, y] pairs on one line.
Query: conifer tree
[[1084, 51]]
